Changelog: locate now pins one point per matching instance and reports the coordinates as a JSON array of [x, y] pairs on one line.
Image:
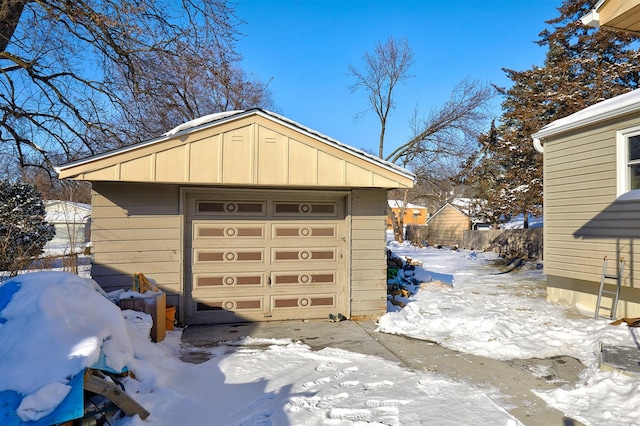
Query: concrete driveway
[[514, 379]]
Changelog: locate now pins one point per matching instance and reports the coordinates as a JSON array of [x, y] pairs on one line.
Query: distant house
[[413, 214], [244, 216], [592, 201], [71, 221], [446, 226]]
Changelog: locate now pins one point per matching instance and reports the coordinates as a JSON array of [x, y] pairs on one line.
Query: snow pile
[[506, 316], [52, 326]]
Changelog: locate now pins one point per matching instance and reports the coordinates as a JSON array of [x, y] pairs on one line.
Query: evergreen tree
[[482, 178], [583, 66], [23, 229]]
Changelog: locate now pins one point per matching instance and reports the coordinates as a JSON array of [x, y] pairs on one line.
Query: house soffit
[[619, 14]]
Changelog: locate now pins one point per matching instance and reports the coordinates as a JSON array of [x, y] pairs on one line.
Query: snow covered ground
[[251, 382]]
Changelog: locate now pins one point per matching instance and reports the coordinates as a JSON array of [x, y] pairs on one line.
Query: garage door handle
[[269, 280]]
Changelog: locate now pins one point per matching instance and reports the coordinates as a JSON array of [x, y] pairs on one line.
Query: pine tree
[[23, 229], [482, 177], [583, 66]]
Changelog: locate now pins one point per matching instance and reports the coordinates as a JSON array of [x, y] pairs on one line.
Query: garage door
[[257, 258]]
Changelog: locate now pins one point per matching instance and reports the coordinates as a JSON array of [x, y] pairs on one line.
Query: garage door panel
[[304, 231], [306, 279], [305, 209], [226, 208], [225, 232], [240, 305], [303, 255], [306, 302], [220, 281], [221, 256]]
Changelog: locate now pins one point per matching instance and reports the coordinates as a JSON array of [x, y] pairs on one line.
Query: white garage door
[[255, 257]]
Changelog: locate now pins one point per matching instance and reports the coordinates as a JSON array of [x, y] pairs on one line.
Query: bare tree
[[177, 89], [449, 130], [441, 137], [382, 70], [68, 69]]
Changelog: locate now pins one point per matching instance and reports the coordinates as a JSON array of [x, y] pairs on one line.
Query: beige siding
[[142, 216], [136, 228], [447, 226], [252, 150], [583, 220], [620, 14], [368, 255]]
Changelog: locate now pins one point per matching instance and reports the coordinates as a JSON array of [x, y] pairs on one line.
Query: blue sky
[[303, 48]]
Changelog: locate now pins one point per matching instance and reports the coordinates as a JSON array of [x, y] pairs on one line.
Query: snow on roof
[[201, 121], [59, 211], [611, 108], [72, 204], [396, 204], [461, 203]]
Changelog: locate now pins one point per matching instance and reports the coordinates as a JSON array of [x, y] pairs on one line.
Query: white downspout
[[537, 144]]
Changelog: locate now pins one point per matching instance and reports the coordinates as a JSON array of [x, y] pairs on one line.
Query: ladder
[[613, 295]]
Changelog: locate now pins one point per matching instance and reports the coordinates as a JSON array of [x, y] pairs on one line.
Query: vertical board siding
[[583, 219], [136, 228], [368, 255], [252, 150]]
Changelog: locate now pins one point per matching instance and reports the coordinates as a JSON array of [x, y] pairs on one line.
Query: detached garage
[[244, 216]]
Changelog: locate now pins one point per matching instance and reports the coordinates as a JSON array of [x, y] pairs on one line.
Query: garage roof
[[252, 148]]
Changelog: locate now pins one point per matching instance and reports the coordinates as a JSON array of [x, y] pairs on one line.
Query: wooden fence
[[525, 243], [66, 262]]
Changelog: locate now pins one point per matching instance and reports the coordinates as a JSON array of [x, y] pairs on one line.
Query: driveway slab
[[508, 382]]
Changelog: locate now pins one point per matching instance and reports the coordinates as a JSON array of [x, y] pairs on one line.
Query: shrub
[[23, 229]]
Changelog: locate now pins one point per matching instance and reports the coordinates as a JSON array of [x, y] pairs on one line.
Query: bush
[[23, 229]]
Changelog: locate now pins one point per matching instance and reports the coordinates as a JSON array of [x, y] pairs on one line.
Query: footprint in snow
[[378, 385]]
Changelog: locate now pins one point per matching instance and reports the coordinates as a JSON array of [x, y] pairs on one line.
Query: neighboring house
[[616, 14], [72, 222], [413, 214], [446, 226], [592, 201], [244, 216]]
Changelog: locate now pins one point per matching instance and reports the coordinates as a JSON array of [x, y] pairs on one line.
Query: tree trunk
[[397, 235], [10, 12], [383, 128]]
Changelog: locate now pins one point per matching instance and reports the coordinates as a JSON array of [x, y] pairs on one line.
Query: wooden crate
[[154, 304]]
